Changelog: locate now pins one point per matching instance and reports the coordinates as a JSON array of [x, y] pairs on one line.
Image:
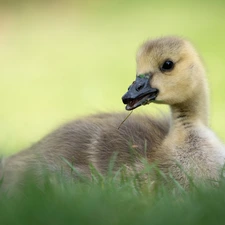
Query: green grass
[[111, 199]]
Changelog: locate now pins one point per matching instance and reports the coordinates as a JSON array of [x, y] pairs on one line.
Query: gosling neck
[[190, 113]]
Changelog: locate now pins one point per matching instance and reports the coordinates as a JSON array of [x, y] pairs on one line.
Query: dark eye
[[167, 65]]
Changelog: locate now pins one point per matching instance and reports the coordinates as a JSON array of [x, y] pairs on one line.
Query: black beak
[[139, 93]]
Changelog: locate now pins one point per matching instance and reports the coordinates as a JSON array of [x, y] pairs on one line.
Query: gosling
[[169, 71]]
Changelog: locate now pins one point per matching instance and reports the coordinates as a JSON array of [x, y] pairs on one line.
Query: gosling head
[[169, 71]]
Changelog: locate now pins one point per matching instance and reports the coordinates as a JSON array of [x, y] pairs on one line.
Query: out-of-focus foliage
[[63, 59], [111, 199]]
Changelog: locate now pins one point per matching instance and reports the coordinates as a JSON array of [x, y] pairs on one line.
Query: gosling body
[[92, 140]]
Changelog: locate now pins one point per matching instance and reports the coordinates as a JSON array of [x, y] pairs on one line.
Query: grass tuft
[[117, 198]]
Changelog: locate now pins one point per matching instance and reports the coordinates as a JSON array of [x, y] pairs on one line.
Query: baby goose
[[169, 71]]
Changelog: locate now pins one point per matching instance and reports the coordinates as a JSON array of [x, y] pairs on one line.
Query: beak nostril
[[139, 87]]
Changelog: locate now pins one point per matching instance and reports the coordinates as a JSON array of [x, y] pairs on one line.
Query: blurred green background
[[63, 59]]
